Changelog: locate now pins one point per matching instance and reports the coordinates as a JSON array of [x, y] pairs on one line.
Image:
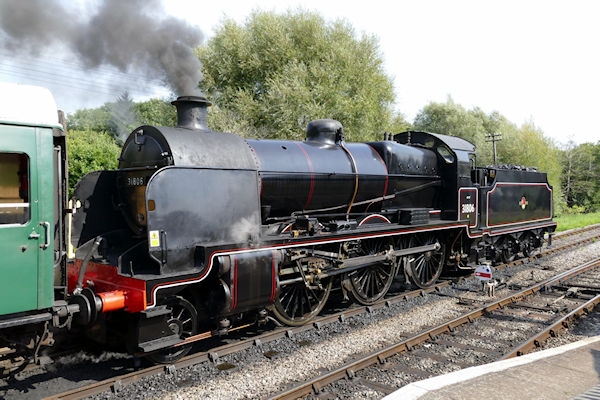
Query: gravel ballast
[[308, 354]]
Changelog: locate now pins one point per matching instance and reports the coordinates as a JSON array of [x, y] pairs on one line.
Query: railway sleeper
[[463, 346]]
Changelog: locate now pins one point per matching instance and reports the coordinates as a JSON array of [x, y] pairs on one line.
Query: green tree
[[90, 119], [399, 123], [453, 119], [525, 145], [273, 74], [528, 146], [90, 151], [581, 167], [155, 112], [120, 117]]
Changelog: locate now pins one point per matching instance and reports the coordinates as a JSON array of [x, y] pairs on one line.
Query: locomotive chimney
[[191, 112]]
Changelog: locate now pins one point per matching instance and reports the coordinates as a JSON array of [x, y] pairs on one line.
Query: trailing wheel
[[425, 268], [184, 322], [301, 301], [368, 285]]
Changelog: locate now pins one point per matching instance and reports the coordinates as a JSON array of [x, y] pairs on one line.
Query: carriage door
[[20, 231]]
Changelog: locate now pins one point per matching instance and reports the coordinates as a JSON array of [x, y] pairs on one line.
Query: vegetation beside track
[[570, 221]]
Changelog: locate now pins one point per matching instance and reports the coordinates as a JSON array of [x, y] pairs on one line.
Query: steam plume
[[132, 35]]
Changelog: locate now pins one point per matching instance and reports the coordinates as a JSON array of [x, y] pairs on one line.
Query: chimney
[[191, 112]]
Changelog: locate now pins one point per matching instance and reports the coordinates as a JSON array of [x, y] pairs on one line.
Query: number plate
[[135, 181]]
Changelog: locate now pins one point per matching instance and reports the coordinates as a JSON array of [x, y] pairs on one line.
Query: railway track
[[576, 231], [440, 343], [215, 354], [9, 362]]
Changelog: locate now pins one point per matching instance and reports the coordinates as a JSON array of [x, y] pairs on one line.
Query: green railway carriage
[[32, 203]]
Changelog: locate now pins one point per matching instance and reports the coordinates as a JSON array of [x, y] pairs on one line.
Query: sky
[[530, 60]]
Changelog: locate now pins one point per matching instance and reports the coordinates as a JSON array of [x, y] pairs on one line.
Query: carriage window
[[14, 188]]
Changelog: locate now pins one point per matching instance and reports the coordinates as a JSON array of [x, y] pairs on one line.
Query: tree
[[568, 161], [120, 117], [90, 119], [525, 145], [528, 146], [273, 74], [155, 112], [90, 151], [581, 166], [453, 119], [400, 124]]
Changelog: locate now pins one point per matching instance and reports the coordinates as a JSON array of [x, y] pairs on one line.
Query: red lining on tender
[[487, 217], [312, 175]]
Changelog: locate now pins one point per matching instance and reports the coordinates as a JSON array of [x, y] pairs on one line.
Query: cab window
[[446, 154], [14, 188]]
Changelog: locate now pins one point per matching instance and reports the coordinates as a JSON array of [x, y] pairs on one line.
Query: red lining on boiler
[[312, 175], [386, 170]]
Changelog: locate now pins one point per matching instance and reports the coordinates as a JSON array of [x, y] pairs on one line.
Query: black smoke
[[131, 35]]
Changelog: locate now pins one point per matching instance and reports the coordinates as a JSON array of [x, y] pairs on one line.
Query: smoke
[[245, 229], [131, 35], [122, 116]]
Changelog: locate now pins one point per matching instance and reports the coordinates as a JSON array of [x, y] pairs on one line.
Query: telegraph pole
[[494, 137]]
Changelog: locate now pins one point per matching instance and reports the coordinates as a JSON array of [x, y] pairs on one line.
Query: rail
[[116, 383], [349, 370]]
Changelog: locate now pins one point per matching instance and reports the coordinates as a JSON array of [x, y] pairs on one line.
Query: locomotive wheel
[[298, 303], [369, 284], [425, 268], [183, 321]]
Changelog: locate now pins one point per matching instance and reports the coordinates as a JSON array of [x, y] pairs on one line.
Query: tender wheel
[[369, 284], [184, 322], [425, 268], [299, 302], [507, 252], [526, 248]]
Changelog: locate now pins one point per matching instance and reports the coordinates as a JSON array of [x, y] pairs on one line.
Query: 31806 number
[[135, 181]]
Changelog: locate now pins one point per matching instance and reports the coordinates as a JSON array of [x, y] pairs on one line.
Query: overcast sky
[[529, 60]]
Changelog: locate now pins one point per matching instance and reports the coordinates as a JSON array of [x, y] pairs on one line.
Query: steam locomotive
[[200, 231]]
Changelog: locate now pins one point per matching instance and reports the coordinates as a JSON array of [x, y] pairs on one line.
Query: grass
[[570, 221]]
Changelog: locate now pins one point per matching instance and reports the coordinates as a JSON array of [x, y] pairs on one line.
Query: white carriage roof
[[27, 105]]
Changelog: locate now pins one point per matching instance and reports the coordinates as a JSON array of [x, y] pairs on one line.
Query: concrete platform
[[560, 373]]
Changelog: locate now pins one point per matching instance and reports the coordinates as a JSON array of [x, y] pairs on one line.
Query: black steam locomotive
[[198, 230]]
